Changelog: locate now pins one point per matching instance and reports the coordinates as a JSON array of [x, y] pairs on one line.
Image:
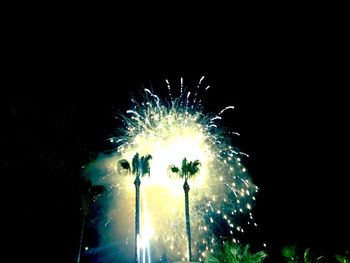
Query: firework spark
[[221, 194]]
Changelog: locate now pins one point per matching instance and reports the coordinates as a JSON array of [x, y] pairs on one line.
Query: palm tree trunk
[[187, 213], [81, 238], [137, 183]]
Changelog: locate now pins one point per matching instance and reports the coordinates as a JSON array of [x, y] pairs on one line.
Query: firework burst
[[221, 194]]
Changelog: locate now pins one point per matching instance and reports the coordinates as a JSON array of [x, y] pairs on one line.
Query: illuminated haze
[[221, 194]]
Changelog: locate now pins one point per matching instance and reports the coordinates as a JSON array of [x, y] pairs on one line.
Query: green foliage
[[136, 164], [124, 164], [292, 255], [289, 252], [174, 169], [144, 163], [193, 167], [188, 169], [139, 166], [343, 258], [236, 253]]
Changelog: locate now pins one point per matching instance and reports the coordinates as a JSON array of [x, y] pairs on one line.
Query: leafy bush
[[292, 255], [236, 253], [343, 258]]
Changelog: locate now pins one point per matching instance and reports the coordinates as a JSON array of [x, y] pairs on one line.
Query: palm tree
[[140, 167], [88, 193], [236, 253], [188, 170]]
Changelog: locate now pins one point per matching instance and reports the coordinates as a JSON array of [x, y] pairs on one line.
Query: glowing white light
[[170, 131]]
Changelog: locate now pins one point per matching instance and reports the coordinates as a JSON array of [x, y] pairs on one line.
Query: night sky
[[289, 111]]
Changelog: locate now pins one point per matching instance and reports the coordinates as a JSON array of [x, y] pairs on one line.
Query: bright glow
[[171, 130], [146, 233], [168, 143]]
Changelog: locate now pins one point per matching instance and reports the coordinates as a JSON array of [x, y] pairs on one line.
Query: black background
[[290, 111]]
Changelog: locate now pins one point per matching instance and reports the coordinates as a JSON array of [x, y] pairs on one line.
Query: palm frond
[[343, 258], [188, 169], [258, 256], [135, 163], [123, 167], [184, 167], [293, 254], [145, 167], [193, 168], [174, 169], [148, 157], [236, 253]]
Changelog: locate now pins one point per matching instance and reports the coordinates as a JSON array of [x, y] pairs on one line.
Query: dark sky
[[290, 112]]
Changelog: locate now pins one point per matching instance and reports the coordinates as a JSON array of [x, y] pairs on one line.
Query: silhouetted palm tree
[[140, 167], [88, 193], [188, 170]]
